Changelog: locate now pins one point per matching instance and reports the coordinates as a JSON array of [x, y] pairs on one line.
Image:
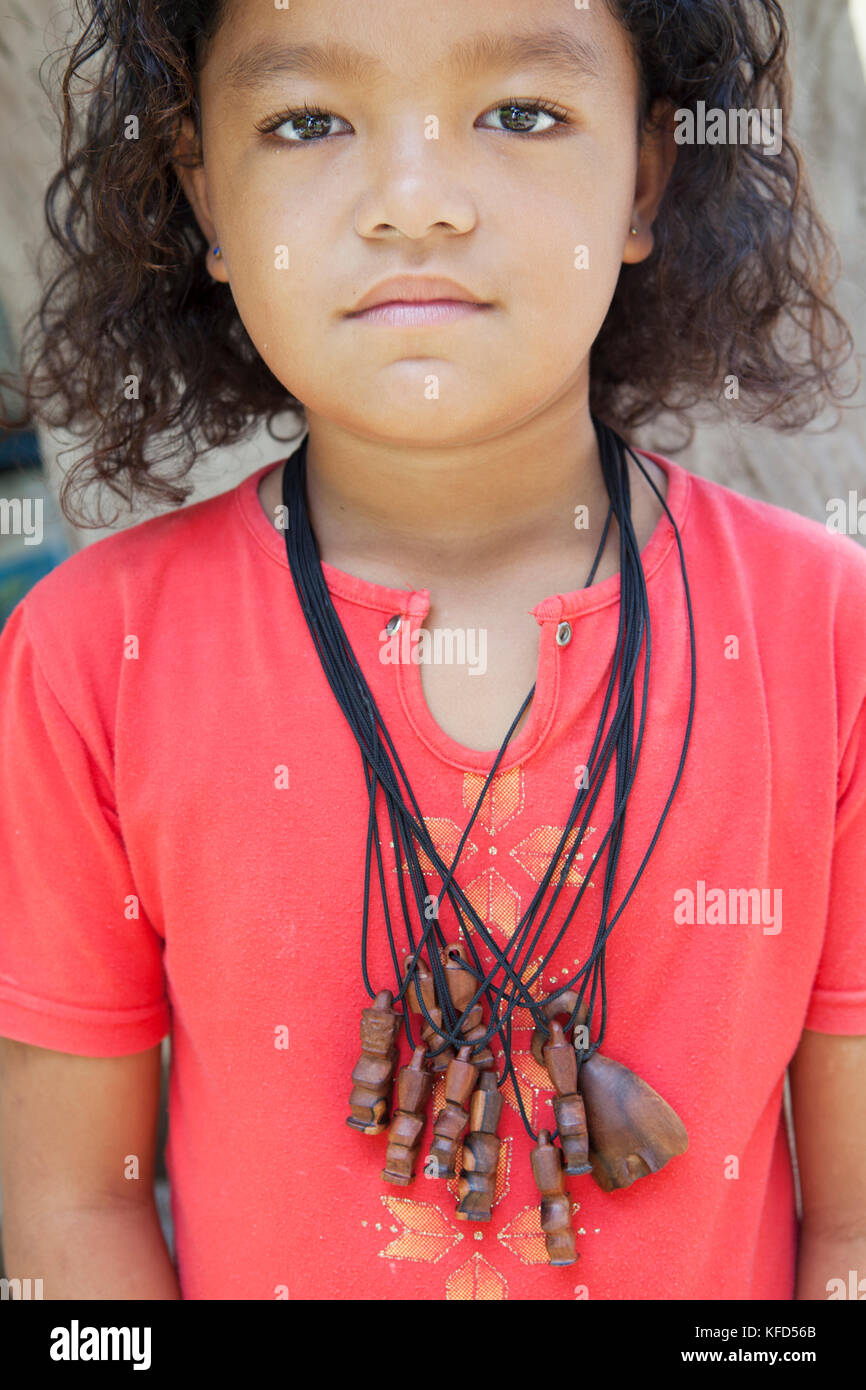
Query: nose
[[415, 183]]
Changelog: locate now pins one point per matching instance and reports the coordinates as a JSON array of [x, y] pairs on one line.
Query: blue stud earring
[[217, 252]]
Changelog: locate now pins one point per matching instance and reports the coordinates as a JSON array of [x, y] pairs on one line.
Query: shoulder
[[798, 583], [78, 616], [105, 572], [820, 560]]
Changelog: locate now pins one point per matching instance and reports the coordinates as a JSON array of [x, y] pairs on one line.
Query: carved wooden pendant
[[423, 987], [632, 1130], [562, 1008], [560, 1059], [555, 1201], [374, 1069], [414, 1084], [453, 1118], [477, 1185], [462, 987]]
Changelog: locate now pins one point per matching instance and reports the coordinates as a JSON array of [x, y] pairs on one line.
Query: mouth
[[418, 313], [418, 301]]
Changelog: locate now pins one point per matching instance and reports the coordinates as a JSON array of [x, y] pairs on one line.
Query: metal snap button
[[563, 634], [393, 623]]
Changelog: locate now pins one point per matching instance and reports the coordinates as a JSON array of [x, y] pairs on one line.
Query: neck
[[468, 508]]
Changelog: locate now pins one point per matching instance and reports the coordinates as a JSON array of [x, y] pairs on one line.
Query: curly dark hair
[[738, 283]]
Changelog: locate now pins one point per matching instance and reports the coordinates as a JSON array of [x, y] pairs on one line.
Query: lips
[[415, 289]]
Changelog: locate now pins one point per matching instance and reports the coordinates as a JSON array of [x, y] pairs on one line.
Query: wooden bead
[[560, 1059], [374, 1070], [453, 1117], [474, 1018], [414, 1084], [434, 1039], [485, 1107], [573, 1134], [404, 1137], [561, 1007], [406, 1129], [485, 1148], [460, 1079], [632, 1131], [462, 985], [373, 1073], [477, 1186], [555, 1203], [483, 1058], [379, 1024], [478, 1177], [423, 987], [450, 1124]]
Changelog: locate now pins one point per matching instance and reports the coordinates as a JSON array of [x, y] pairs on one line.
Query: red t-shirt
[[182, 844]]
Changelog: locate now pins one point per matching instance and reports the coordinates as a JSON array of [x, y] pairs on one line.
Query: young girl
[[463, 243]]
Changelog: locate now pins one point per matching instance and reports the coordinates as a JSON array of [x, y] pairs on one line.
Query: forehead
[[366, 42]]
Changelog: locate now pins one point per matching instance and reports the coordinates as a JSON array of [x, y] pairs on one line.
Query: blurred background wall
[[799, 472]]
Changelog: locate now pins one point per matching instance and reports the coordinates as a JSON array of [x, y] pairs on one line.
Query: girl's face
[[432, 158]]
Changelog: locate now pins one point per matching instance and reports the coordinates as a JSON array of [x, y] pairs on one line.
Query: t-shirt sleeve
[[838, 1000], [80, 964]]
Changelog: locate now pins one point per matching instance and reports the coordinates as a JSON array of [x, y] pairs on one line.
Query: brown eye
[[311, 124], [521, 117]]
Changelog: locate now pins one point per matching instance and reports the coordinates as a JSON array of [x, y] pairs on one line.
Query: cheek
[[282, 274], [563, 286], [569, 232]]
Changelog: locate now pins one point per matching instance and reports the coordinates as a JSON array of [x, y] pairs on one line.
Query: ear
[[188, 164], [658, 154]]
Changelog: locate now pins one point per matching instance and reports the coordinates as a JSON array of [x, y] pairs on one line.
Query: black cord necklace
[[440, 984]]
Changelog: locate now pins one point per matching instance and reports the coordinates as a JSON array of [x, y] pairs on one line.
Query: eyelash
[[530, 104]]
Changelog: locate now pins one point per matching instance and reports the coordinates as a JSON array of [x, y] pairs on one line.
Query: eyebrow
[[560, 51]]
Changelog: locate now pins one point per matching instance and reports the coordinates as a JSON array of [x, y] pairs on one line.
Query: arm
[[71, 1216], [828, 1094]]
